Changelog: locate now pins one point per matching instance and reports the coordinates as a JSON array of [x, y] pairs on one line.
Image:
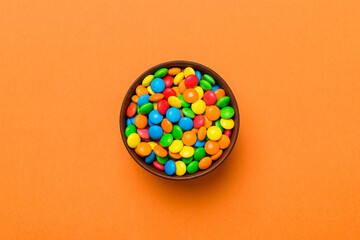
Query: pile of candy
[[179, 120]]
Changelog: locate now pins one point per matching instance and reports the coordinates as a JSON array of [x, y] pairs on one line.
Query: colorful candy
[[179, 120]]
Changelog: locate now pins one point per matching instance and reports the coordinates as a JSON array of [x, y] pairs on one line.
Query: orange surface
[[294, 67]]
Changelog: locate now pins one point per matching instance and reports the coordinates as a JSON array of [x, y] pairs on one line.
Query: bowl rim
[[202, 68]]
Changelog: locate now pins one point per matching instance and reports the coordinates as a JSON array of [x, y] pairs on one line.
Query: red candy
[[131, 110], [199, 121], [209, 98], [228, 132], [168, 81], [169, 92], [163, 106], [191, 81], [158, 166], [143, 133]]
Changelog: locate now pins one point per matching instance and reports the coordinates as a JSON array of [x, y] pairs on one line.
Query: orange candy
[[211, 147], [195, 130], [182, 87], [156, 97], [212, 113], [217, 155], [208, 123], [135, 98], [160, 151], [141, 90], [202, 133], [175, 155], [177, 90], [143, 149], [205, 163], [224, 141], [191, 95], [174, 71], [166, 125], [141, 121], [189, 138], [219, 93]]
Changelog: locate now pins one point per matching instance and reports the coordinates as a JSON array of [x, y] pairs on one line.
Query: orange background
[[294, 67]]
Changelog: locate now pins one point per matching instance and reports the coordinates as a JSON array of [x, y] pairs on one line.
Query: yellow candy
[[174, 101], [188, 71], [178, 78], [200, 91], [147, 80], [214, 133], [150, 90], [227, 123], [198, 107], [180, 168], [133, 140], [152, 144], [155, 105], [176, 146], [187, 152]]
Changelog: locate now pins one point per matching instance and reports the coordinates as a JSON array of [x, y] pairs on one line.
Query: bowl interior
[[204, 70]]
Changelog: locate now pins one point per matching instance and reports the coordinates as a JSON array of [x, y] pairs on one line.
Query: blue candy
[[173, 114], [198, 74], [155, 132], [155, 117], [170, 167], [157, 85], [133, 119], [128, 122], [149, 159], [215, 87], [186, 123], [151, 124], [199, 143], [143, 99]]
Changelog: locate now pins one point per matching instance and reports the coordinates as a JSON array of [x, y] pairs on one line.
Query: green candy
[[187, 160], [184, 104], [166, 140], [209, 79], [227, 112], [137, 109], [205, 85], [193, 167], [129, 130], [177, 132], [161, 73], [188, 112], [199, 153], [162, 160], [146, 108], [218, 124], [207, 138], [223, 102]]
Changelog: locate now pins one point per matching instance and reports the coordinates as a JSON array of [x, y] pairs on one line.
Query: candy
[[193, 167], [173, 114], [170, 167], [223, 102], [186, 123], [180, 168], [129, 130], [189, 138], [190, 95], [174, 101], [155, 117], [147, 80], [227, 123], [133, 140], [163, 106], [214, 133], [198, 107], [131, 110], [179, 120], [191, 81]]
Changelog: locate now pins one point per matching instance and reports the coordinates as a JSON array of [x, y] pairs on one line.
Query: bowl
[[219, 81]]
